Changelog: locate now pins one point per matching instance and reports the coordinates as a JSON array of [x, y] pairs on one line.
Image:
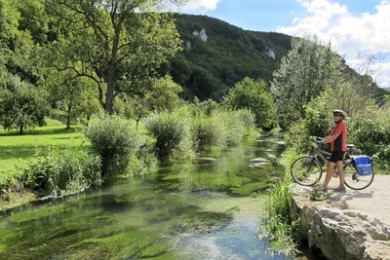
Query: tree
[[70, 94], [255, 97], [163, 95], [303, 74], [22, 107], [116, 43]]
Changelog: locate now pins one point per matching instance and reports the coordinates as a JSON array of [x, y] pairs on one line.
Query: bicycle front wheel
[[306, 171], [354, 180]]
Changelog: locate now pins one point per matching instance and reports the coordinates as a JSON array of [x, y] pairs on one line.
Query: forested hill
[[216, 55]]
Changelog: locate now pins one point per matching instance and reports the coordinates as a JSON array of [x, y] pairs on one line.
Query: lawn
[[16, 150]]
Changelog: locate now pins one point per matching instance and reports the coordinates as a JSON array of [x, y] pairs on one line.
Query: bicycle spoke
[[355, 181], [306, 171]]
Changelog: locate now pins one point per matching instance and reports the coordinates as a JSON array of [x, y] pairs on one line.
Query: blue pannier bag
[[363, 164]]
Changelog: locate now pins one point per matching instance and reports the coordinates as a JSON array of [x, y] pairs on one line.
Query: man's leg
[[329, 172], [340, 169]]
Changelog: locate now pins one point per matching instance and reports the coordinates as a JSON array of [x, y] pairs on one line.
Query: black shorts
[[336, 156]]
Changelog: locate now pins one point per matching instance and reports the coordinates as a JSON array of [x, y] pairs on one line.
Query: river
[[206, 209]]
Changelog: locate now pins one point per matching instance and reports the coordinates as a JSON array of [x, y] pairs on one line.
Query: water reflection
[[207, 209]]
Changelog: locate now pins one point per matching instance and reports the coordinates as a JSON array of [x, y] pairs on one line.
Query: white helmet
[[340, 112]]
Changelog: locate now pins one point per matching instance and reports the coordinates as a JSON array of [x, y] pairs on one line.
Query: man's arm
[[330, 138]]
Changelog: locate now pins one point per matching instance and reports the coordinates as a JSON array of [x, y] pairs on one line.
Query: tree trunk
[[110, 97], [68, 117], [21, 129]]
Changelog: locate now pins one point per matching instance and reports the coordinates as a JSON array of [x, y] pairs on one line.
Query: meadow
[[16, 150]]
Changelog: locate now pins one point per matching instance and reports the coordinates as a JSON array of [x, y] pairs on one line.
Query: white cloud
[[351, 35], [198, 6]]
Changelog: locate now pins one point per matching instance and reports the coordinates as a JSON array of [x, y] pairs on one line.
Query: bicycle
[[307, 170]]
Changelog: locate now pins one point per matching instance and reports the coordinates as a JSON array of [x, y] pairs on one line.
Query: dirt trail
[[374, 200]]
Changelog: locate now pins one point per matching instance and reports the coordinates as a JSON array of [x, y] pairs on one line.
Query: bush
[[63, 172], [115, 139], [222, 128], [171, 131], [206, 132], [234, 128]]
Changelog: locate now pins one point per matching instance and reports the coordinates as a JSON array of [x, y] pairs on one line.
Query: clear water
[[207, 209]]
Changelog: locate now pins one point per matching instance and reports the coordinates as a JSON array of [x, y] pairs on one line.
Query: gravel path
[[374, 200]]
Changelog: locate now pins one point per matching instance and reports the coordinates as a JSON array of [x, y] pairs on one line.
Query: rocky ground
[[351, 225]]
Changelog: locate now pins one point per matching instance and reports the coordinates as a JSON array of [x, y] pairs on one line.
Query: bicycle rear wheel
[[354, 180], [306, 171]]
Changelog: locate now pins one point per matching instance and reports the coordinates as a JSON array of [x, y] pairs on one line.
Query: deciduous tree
[[117, 43], [304, 73], [255, 97]]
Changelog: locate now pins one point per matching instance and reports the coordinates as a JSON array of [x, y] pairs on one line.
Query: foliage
[[255, 97], [370, 131], [235, 124], [318, 121], [115, 139], [23, 107], [203, 108], [214, 125], [71, 97], [171, 131], [206, 132], [279, 228], [304, 73], [119, 49], [163, 95], [62, 172]]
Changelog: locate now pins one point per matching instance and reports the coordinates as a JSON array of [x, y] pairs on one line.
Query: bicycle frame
[[324, 156]]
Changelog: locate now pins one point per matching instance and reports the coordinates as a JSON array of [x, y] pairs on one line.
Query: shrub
[[206, 132], [62, 172], [171, 131], [115, 139], [234, 128]]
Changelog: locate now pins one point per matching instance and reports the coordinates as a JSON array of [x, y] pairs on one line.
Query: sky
[[358, 30]]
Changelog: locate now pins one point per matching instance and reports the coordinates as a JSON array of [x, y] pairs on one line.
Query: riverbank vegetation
[[113, 146]]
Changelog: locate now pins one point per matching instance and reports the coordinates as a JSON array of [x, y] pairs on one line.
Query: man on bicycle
[[338, 141]]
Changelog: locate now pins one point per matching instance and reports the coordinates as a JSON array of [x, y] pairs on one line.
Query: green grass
[[17, 150]]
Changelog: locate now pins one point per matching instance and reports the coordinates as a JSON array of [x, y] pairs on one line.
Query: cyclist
[[338, 141]]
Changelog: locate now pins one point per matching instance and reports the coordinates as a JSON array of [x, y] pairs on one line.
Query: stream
[[210, 208]]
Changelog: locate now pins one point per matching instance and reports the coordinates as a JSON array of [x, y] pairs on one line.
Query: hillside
[[216, 55]]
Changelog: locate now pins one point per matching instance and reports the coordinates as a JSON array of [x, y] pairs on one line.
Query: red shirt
[[340, 143]]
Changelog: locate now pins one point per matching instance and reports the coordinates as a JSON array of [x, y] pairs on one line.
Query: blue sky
[[357, 29]]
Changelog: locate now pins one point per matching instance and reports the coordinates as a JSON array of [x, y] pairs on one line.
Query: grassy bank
[[17, 150]]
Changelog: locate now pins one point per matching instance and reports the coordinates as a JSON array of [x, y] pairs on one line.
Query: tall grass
[[279, 228]]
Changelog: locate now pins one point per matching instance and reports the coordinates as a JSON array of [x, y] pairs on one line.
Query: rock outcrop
[[202, 34], [337, 230]]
